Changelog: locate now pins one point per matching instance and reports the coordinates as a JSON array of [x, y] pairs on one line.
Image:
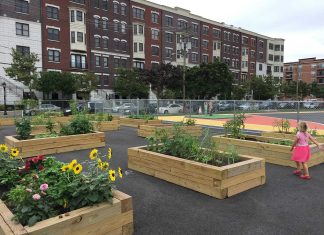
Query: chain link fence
[[310, 110]]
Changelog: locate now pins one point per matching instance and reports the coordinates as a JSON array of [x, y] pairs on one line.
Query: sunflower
[[112, 175], [65, 168], [105, 165], [70, 166], [14, 152], [120, 172], [100, 164], [77, 169], [93, 154], [74, 163], [3, 148], [109, 153]]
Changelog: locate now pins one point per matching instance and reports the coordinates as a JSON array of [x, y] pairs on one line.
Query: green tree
[[289, 89], [23, 68], [130, 84], [208, 80], [238, 92]]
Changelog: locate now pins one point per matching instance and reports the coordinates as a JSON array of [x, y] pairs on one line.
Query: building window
[[169, 21], [155, 66], [282, 47], [123, 10], [216, 33], [123, 46], [123, 63], [195, 28], [117, 45], [22, 6], [105, 43], [245, 40], [155, 34], [116, 26], [22, 29], [138, 13], [140, 47], [79, 16], [169, 37], [72, 17], [194, 57], [96, 23], [281, 58], [135, 47], [97, 42], [78, 61], [79, 36], [104, 24], [155, 50], [138, 64], [277, 47], [205, 43], [53, 34], [97, 60], [277, 58], [276, 69], [22, 50], [105, 61], [52, 12], [281, 69], [53, 55], [270, 46], [270, 57], [260, 55], [260, 67], [96, 3], [73, 37], [168, 53], [194, 42], [116, 8], [123, 28], [252, 66], [79, 1], [205, 30], [253, 42], [155, 17], [182, 24], [205, 59], [105, 5], [261, 44]]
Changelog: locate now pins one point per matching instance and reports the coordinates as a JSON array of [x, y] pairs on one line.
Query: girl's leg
[[305, 167], [298, 166], [298, 171]]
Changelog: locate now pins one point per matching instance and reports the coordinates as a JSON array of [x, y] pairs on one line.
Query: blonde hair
[[302, 126]]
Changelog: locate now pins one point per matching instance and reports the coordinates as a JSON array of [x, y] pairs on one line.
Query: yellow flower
[[3, 148], [74, 163], [100, 164], [109, 153], [105, 165], [120, 172], [14, 152], [112, 175], [70, 166], [77, 169], [93, 154], [65, 168]]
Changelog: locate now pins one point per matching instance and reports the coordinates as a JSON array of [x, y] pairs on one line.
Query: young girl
[[301, 150]]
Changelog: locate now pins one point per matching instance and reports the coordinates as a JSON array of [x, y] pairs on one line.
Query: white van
[[311, 104]]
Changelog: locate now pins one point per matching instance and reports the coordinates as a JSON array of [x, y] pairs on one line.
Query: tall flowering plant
[[46, 187]]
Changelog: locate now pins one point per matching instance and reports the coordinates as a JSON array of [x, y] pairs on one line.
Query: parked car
[[171, 108], [248, 106], [80, 107], [95, 107], [224, 105], [42, 109], [286, 105], [311, 104], [127, 108]]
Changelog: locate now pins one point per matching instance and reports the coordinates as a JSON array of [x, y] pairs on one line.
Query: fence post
[[137, 106], [298, 109], [234, 106]]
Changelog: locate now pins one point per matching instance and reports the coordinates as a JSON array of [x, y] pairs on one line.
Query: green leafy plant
[[80, 124], [50, 126], [143, 116], [23, 128], [283, 125], [235, 126], [190, 122], [282, 142]]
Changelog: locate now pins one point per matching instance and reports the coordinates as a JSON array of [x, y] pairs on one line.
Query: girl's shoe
[[297, 172], [305, 177]]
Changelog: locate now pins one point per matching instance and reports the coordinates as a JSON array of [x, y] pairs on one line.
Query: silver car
[[171, 108], [42, 109]]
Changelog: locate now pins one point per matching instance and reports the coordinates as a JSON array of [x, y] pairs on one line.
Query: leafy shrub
[[234, 127], [283, 125], [50, 126], [100, 117], [80, 124], [46, 187], [179, 144], [190, 122], [23, 128], [282, 142], [144, 116]]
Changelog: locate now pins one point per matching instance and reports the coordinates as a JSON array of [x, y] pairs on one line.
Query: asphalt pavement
[[284, 205]]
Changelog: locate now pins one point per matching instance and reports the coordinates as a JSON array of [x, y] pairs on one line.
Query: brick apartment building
[[307, 70], [102, 35]]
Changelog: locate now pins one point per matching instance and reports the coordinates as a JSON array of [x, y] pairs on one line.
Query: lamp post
[[299, 68], [4, 85]]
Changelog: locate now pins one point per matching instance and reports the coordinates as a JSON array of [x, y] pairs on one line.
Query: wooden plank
[[128, 229], [4, 228], [233, 190], [126, 200], [242, 178], [6, 217]]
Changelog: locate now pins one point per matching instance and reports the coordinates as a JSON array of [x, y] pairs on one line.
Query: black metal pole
[[5, 101]]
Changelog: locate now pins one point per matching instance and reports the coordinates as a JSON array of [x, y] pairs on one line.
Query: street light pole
[[4, 97], [184, 70], [297, 90]]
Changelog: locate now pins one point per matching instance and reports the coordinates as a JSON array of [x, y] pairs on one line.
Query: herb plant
[[234, 127], [23, 128], [283, 125]]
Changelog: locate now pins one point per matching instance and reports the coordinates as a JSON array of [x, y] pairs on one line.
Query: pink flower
[[43, 187], [28, 190], [36, 197]]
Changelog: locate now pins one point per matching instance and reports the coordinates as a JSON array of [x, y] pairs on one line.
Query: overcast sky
[[299, 22]]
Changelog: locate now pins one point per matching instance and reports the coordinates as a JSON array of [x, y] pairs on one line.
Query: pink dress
[[301, 152]]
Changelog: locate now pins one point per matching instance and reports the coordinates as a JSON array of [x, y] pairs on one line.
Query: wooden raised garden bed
[[132, 122], [63, 120], [7, 121], [218, 182], [257, 146], [288, 136], [107, 126], [149, 130], [104, 218], [60, 144]]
